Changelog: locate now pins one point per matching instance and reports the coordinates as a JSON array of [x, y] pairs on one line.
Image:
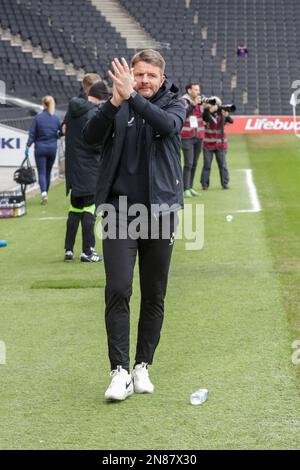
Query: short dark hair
[[100, 91], [190, 85], [151, 57]]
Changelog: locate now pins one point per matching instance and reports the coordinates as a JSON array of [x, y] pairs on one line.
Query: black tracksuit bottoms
[[154, 256]]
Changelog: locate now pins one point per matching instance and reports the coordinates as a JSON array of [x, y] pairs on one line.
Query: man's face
[[194, 91], [148, 79]]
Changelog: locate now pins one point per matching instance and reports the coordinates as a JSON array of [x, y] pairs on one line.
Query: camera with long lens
[[205, 100], [230, 108]]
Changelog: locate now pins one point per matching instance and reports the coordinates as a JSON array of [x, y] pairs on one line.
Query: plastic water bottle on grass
[[199, 397]]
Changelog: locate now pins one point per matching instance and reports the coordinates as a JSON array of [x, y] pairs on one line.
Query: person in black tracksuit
[[139, 129], [81, 168], [88, 80]]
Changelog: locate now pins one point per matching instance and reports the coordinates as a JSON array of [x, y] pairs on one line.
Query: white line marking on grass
[[256, 207]]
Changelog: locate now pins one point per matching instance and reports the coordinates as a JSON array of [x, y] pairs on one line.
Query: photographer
[[191, 136], [215, 117]]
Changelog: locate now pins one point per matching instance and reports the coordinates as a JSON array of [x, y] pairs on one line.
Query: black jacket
[[164, 115], [82, 160]]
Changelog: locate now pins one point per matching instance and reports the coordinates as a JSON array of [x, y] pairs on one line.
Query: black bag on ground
[[25, 174]]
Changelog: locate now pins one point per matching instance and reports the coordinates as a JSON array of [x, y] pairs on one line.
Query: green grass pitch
[[232, 313]]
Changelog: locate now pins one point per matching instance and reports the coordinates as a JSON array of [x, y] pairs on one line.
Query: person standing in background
[[242, 51], [81, 167], [44, 132], [192, 135], [215, 142], [88, 81]]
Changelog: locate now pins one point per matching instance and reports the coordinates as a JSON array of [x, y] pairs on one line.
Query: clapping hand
[[123, 81]]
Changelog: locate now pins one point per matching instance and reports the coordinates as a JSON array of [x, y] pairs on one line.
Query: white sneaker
[[44, 200], [69, 255], [121, 385], [141, 380], [93, 257]]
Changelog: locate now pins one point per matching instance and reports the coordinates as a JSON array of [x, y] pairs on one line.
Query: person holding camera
[[215, 117], [192, 135]]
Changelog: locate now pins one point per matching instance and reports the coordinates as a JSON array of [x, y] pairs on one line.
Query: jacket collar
[[188, 98], [167, 91]]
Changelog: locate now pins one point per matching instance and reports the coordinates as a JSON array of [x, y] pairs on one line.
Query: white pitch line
[[256, 207]]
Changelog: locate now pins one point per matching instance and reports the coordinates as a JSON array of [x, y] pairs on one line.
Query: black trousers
[[81, 210], [222, 164], [154, 256], [191, 150]]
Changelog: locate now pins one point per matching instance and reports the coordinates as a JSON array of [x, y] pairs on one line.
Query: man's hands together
[[123, 81]]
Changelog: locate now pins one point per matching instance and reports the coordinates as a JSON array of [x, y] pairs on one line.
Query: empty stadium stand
[[199, 38], [204, 36], [30, 78], [72, 30]]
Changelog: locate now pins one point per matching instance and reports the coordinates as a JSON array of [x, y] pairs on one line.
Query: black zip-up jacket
[[163, 115], [82, 160]]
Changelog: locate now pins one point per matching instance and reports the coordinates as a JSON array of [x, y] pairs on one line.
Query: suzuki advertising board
[[12, 146]]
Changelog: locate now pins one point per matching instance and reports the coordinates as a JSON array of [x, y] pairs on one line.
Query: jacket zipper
[[151, 179]]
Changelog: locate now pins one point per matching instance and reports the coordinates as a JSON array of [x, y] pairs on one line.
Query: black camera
[[212, 101], [230, 108]]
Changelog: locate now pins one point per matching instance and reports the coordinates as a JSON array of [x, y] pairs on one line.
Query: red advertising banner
[[263, 125]]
